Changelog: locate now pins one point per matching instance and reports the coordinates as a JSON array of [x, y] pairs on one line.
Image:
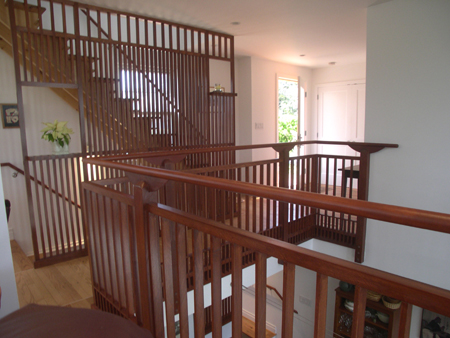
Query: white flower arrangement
[[57, 132]]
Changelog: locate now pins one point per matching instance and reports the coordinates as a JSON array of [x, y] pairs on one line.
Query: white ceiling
[[280, 30]]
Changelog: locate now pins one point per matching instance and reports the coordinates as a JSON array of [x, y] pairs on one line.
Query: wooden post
[[405, 320], [140, 268], [20, 107], [236, 284], [363, 193], [321, 306], [288, 300], [283, 150], [260, 295], [359, 313], [145, 191]]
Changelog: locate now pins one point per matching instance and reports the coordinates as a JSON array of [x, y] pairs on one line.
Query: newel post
[[144, 192], [363, 192], [283, 150], [145, 253]]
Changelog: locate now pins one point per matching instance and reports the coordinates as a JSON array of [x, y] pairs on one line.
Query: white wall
[[328, 75], [41, 105], [408, 103], [244, 110], [9, 300]]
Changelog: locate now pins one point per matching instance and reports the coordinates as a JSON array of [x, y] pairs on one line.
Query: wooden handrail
[[20, 171], [417, 293], [421, 219], [278, 294], [198, 150]]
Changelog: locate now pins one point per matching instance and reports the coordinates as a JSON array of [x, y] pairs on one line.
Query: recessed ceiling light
[[302, 55], [332, 63], [235, 23]]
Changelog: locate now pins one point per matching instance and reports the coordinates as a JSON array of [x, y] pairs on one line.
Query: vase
[[58, 150]]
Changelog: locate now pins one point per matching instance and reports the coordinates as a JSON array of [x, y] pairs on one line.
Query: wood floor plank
[[58, 286], [20, 260], [36, 287], [23, 291], [78, 277], [63, 284]]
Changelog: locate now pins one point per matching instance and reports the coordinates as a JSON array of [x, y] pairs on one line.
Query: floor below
[[63, 284]]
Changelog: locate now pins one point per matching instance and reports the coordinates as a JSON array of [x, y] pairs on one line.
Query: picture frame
[[434, 325], [10, 115]]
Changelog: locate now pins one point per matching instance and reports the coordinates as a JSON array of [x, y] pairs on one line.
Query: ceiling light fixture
[[235, 23], [332, 63], [302, 55]]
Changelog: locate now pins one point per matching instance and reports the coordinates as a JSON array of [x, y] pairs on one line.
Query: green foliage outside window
[[287, 111]]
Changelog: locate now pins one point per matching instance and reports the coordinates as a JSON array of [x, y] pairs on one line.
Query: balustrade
[[134, 235]]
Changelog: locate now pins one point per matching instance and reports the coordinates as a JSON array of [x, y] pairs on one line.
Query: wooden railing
[[327, 174], [57, 230], [133, 235]]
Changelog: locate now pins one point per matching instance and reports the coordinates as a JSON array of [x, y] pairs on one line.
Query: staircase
[[45, 59], [68, 95]]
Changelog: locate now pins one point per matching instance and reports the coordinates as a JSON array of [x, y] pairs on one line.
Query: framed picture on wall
[[434, 325], [10, 115]]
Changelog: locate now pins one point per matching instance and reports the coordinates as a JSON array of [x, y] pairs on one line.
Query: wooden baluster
[[283, 151], [199, 314], [321, 306], [359, 312], [216, 289], [142, 302], [288, 300], [236, 285], [156, 278], [182, 287], [405, 320], [260, 295]]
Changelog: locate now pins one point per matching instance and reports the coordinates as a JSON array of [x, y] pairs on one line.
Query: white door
[[341, 116]]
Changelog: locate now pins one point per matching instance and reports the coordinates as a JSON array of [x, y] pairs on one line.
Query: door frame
[[301, 99]]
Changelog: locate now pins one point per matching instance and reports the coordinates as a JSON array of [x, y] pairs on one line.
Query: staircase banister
[[421, 219], [270, 287], [12, 166], [20, 171], [414, 292]]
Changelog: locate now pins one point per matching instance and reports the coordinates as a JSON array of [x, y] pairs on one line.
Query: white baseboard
[[66, 247]]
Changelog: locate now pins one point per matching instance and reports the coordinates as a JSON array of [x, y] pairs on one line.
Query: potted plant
[[58, 134]]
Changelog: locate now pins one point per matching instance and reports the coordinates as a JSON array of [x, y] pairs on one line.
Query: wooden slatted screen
[[141, 84]]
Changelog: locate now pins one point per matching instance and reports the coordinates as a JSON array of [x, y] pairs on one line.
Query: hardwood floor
[[63, 284]]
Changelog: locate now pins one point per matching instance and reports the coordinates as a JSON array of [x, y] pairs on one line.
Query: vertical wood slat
[[166, 234], [156, 278], [199, 315], [288, 300], [260, 295], [236, 285], [143, 314], [359, 312], [216, 286], [321, 306], [181, 255], [405, 320]]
